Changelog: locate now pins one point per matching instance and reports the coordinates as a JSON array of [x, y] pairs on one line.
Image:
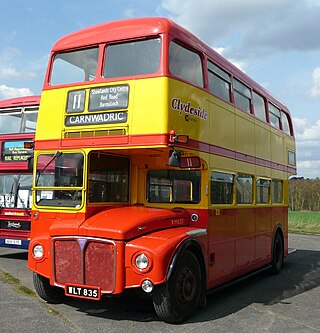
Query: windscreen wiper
[[55, 156]]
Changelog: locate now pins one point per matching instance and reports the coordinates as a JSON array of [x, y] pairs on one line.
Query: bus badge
[[81, 242]]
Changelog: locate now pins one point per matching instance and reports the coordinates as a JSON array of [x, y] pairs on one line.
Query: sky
[[276, 42]]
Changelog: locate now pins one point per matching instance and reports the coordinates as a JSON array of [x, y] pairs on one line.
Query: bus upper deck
[[119, 85]]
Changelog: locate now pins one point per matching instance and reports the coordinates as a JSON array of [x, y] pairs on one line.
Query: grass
[[8, 278], [304, 222]]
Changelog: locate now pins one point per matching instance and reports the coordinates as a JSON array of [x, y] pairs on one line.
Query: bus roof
[[20, 101], [139, 27], [114, 31]]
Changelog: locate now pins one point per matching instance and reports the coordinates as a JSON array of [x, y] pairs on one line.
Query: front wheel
[[177, 299], [277, 254], [47, 292]]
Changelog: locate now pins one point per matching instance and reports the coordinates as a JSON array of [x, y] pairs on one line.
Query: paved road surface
[[288, 302]]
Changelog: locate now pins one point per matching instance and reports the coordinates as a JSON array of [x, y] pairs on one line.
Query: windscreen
[[15, 191], [59, 179]]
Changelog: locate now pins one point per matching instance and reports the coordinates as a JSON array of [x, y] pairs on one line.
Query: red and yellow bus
[[159, 166], [18, 117]]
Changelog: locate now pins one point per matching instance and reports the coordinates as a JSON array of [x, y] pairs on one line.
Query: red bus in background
[[18, 117]]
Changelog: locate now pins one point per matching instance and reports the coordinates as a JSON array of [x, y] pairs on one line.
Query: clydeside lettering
[[188, 109]]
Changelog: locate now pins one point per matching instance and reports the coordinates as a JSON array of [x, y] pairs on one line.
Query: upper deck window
[[242, 96], [74, 66], [219, 81], [132, 58], [185, 64], [259, 107], [274, 115], [285, 123]]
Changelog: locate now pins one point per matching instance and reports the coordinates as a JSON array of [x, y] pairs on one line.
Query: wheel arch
[[278, 229], [192, 245]]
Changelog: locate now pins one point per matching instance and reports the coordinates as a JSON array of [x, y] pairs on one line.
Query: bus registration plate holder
[[13, 242], [81, 291]]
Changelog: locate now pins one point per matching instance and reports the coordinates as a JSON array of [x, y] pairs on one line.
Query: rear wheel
[[176, 300], [47, 292], [277, 253]]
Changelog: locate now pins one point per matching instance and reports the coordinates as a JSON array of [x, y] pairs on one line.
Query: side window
[[277, 191], [171, 186], [285, 123], [263, 191], [259, 107], [242, 96], [185, 64], [244, 186], [274, 116], [219, 81], [221, 188]]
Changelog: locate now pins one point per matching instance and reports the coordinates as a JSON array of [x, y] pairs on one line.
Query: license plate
[[12, 241], [82, 291]]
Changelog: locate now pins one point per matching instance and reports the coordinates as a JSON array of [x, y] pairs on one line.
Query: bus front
[[109, 212], [18, 118]]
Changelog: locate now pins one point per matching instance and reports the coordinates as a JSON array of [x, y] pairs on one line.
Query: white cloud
[[240, 64], [129, 12], [8, 71], [10, 92], [9, 53], [255, 27], [306, 132], [308, 147], [314, 3], [11, 73], [315, 91], [308, 169]]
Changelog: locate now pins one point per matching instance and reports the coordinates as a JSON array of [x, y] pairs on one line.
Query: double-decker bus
[[159, 166], [18, 117]]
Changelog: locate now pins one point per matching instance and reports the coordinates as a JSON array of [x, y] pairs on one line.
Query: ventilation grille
[[95, 133]]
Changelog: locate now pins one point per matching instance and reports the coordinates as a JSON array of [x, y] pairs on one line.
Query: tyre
[[177, 299], [277, 254], [47, 292]]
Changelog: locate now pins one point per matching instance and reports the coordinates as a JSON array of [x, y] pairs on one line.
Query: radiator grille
[[85, 261]]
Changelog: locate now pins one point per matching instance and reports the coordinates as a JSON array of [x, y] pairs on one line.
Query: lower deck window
[[172, 186], [277, 191], [263, 191], [244, 189], [108, 178], [222, 188]]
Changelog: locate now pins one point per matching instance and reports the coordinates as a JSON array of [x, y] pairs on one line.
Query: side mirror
[[30, 161], [174, 158]]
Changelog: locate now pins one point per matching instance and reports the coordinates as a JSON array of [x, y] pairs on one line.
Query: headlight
[[142, 261], [38, 251]]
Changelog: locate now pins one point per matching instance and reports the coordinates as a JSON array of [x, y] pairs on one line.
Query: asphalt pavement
[[288, 302]]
